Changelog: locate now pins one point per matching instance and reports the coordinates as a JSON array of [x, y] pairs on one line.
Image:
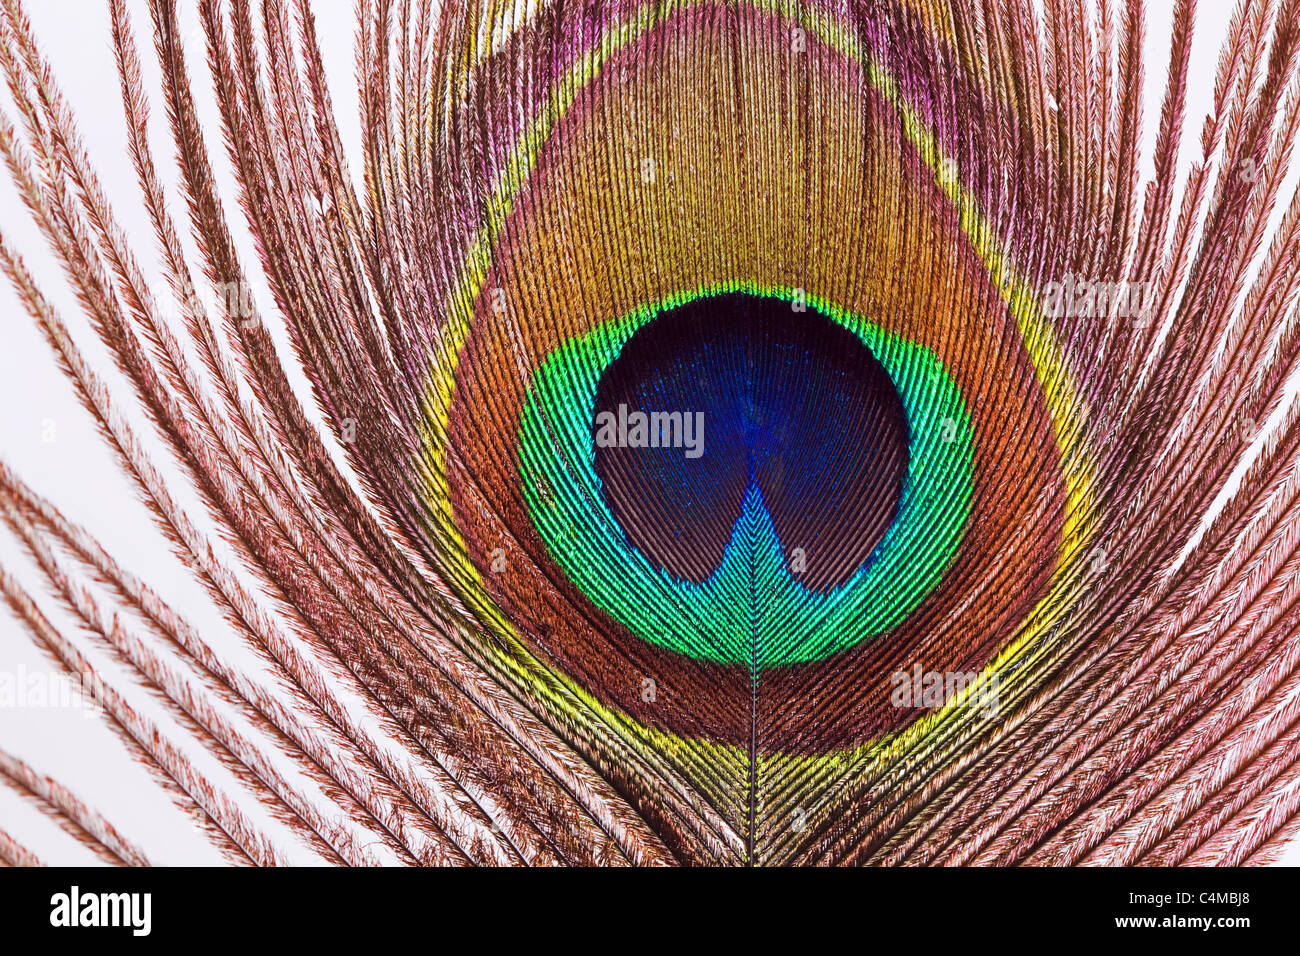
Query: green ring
[[718, 621]]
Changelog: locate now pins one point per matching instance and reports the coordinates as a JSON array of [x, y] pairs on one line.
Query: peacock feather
[[733, 431]]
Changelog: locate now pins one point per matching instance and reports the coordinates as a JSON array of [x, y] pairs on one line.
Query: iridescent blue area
[[789, 402]]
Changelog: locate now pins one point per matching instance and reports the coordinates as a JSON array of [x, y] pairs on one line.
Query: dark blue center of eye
[[786, 401]]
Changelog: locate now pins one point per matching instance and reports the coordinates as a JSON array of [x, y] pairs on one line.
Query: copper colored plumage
[[930, 546]]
